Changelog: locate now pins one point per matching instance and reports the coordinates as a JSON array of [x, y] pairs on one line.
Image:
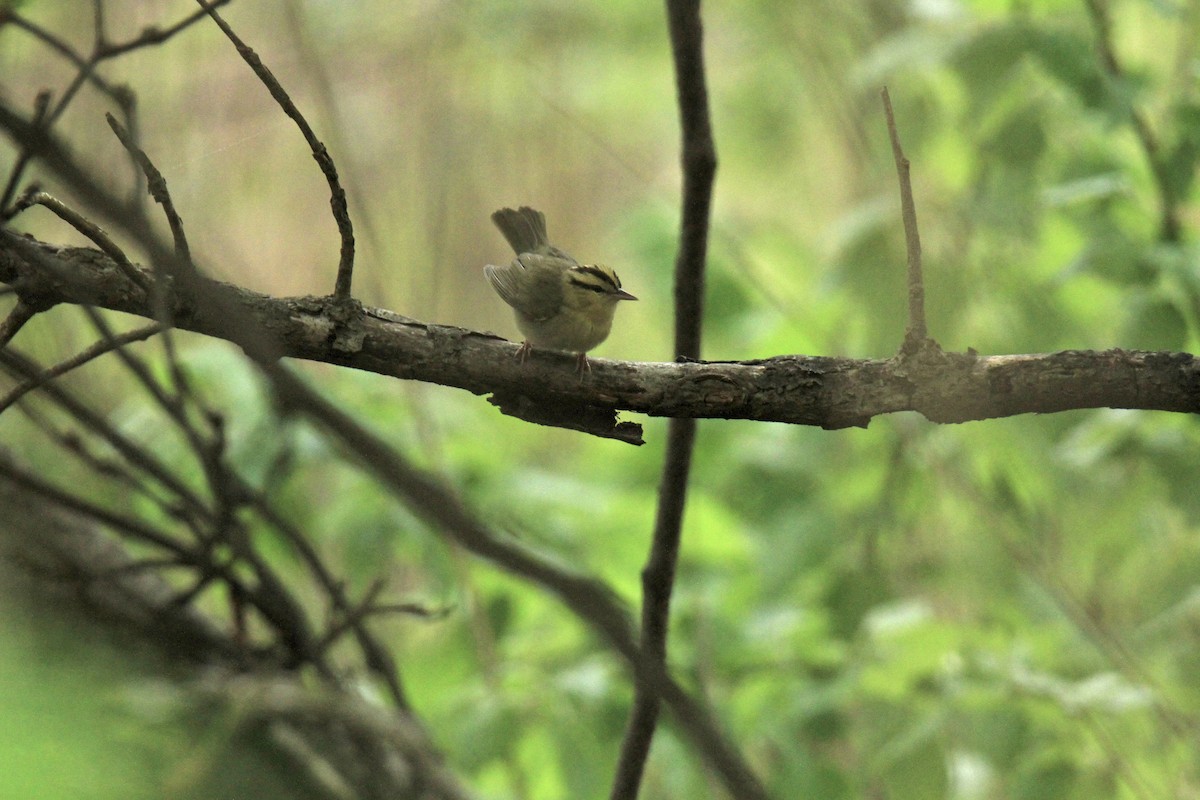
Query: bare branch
[[153, 35], [129, 527], [145, 463], [89, 229], [86, 72], [98, 349], [916, 334], [41, 107], [589, 599], [378, 660], [699, 160], [337, 200], [805, 390], [21, 313], [157, 186]]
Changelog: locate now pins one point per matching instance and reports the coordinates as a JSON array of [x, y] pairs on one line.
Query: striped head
[[592, 285]]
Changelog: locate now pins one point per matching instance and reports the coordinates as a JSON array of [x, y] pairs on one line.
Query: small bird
[[560, 304]]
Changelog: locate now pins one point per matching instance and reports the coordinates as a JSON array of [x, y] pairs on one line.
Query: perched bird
[[560, 304]]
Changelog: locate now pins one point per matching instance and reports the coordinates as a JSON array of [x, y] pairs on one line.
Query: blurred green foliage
[[1002, 609]]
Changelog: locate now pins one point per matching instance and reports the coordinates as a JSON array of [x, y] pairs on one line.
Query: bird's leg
[[582, 364], [522, 353]]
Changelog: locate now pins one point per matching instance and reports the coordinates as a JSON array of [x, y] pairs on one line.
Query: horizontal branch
[[826, 392]]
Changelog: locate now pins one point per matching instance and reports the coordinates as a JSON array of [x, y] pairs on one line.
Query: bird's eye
[[608, 280], [589, 286]]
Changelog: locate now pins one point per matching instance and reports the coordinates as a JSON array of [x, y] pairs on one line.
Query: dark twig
[[377, 657], [589, 599], [104, 466], [145, 463], [89, 229], [21, 313], [337, 200], [231, 491], [98, 349], [271, 596], [41, 107], [157, 186], [214, 305], [699, 159], [1170, 227], [87, 72], [152, 36], [129, 527], [353, 616], [916, 334], [185, 270]]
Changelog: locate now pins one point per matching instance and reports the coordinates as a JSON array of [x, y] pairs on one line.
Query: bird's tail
[[524, 228]]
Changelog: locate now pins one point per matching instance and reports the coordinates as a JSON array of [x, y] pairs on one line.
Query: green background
[[1000, 609]]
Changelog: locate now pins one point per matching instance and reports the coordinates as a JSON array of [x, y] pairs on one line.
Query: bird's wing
[[532, 284]]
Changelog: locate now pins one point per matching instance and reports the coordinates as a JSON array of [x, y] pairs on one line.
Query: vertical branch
[[917, 332], [699, 159]]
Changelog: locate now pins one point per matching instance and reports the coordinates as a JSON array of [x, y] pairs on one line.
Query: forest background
[[999, 609]]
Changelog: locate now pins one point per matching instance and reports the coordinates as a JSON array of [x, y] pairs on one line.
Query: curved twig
[[337, 200]]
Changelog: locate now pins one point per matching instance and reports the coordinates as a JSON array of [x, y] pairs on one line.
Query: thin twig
[[916, 334], [21, 313], [98, 349], [41, 107], [353, 615], [185, 270], [337, 200], [87, 72], [138, 457], [157, 186], [152, 36], [699, 161], [589, 599], [111, 468], [89, 229], [128, 526], [377, 657]]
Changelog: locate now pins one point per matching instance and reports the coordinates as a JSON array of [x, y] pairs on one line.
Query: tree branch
[[589, 599], [337, 199], [916, 334], [804, 390], [699, 161], [94, 351]]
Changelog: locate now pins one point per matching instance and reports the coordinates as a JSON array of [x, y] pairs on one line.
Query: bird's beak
[[621, 294]]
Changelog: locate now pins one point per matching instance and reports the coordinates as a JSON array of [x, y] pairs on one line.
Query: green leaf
[[1070, 57]]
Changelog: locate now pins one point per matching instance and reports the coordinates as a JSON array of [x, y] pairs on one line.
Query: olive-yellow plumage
[[559, 303]]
